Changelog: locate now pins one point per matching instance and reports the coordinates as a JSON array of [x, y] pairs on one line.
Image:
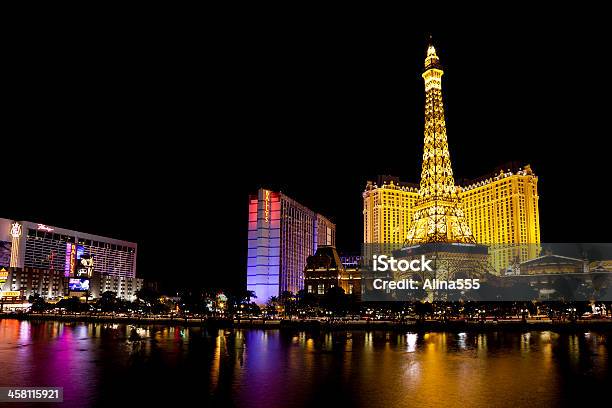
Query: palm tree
[[272, 304]]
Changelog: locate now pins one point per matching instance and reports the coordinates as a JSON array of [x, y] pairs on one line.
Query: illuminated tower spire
[[438, 216]]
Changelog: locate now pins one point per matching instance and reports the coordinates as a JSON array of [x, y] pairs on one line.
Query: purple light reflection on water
[[268, 379], [97, 366], [95, 363], [48, 354]]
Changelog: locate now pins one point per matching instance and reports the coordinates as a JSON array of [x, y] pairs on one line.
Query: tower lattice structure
[[438, 215]]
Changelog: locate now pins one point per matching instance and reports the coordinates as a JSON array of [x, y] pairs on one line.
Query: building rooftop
[[505, 170], [326, 257], [387, 180]]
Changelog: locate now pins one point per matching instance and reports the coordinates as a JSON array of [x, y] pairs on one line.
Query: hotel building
[[34, 245], [54, 262], [388, 209], [49, 284], [125, 288], [501, 210], [282, 234]]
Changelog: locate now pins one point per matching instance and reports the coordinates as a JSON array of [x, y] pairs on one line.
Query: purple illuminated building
[[282, 235]]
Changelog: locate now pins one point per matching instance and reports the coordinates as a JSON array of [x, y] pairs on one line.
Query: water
[[98, 366]]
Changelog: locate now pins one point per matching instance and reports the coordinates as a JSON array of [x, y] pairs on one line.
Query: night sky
[[159, 137]]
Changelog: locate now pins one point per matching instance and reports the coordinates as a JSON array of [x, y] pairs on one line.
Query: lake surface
[[98, 366]]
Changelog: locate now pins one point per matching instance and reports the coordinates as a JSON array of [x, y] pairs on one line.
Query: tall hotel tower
[[282, 234], [500, 209]]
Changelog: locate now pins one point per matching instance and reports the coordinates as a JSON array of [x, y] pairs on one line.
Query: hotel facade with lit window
[[27, 244], [282, 234], [501, 209], [25, 282]]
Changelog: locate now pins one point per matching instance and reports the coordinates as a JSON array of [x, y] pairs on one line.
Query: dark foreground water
[[98, 366]]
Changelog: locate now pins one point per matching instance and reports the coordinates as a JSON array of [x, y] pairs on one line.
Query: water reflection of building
[[325, 270]]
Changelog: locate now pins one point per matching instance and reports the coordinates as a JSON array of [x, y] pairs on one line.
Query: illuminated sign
[[67, 264], [15, 233], [77, 284], [73, 251], [266, 206], [15, 230], [87, 262], [3, 275], [70, 264], [86, 266], [43, 227], [80, 251], [10, 294]]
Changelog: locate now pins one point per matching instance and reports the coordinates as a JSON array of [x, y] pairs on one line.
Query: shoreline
[[319, 325]]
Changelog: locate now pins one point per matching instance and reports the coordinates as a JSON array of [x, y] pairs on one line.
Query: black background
[[156, 129]]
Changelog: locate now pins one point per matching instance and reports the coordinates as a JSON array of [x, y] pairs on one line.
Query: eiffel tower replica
[[439, 229]]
